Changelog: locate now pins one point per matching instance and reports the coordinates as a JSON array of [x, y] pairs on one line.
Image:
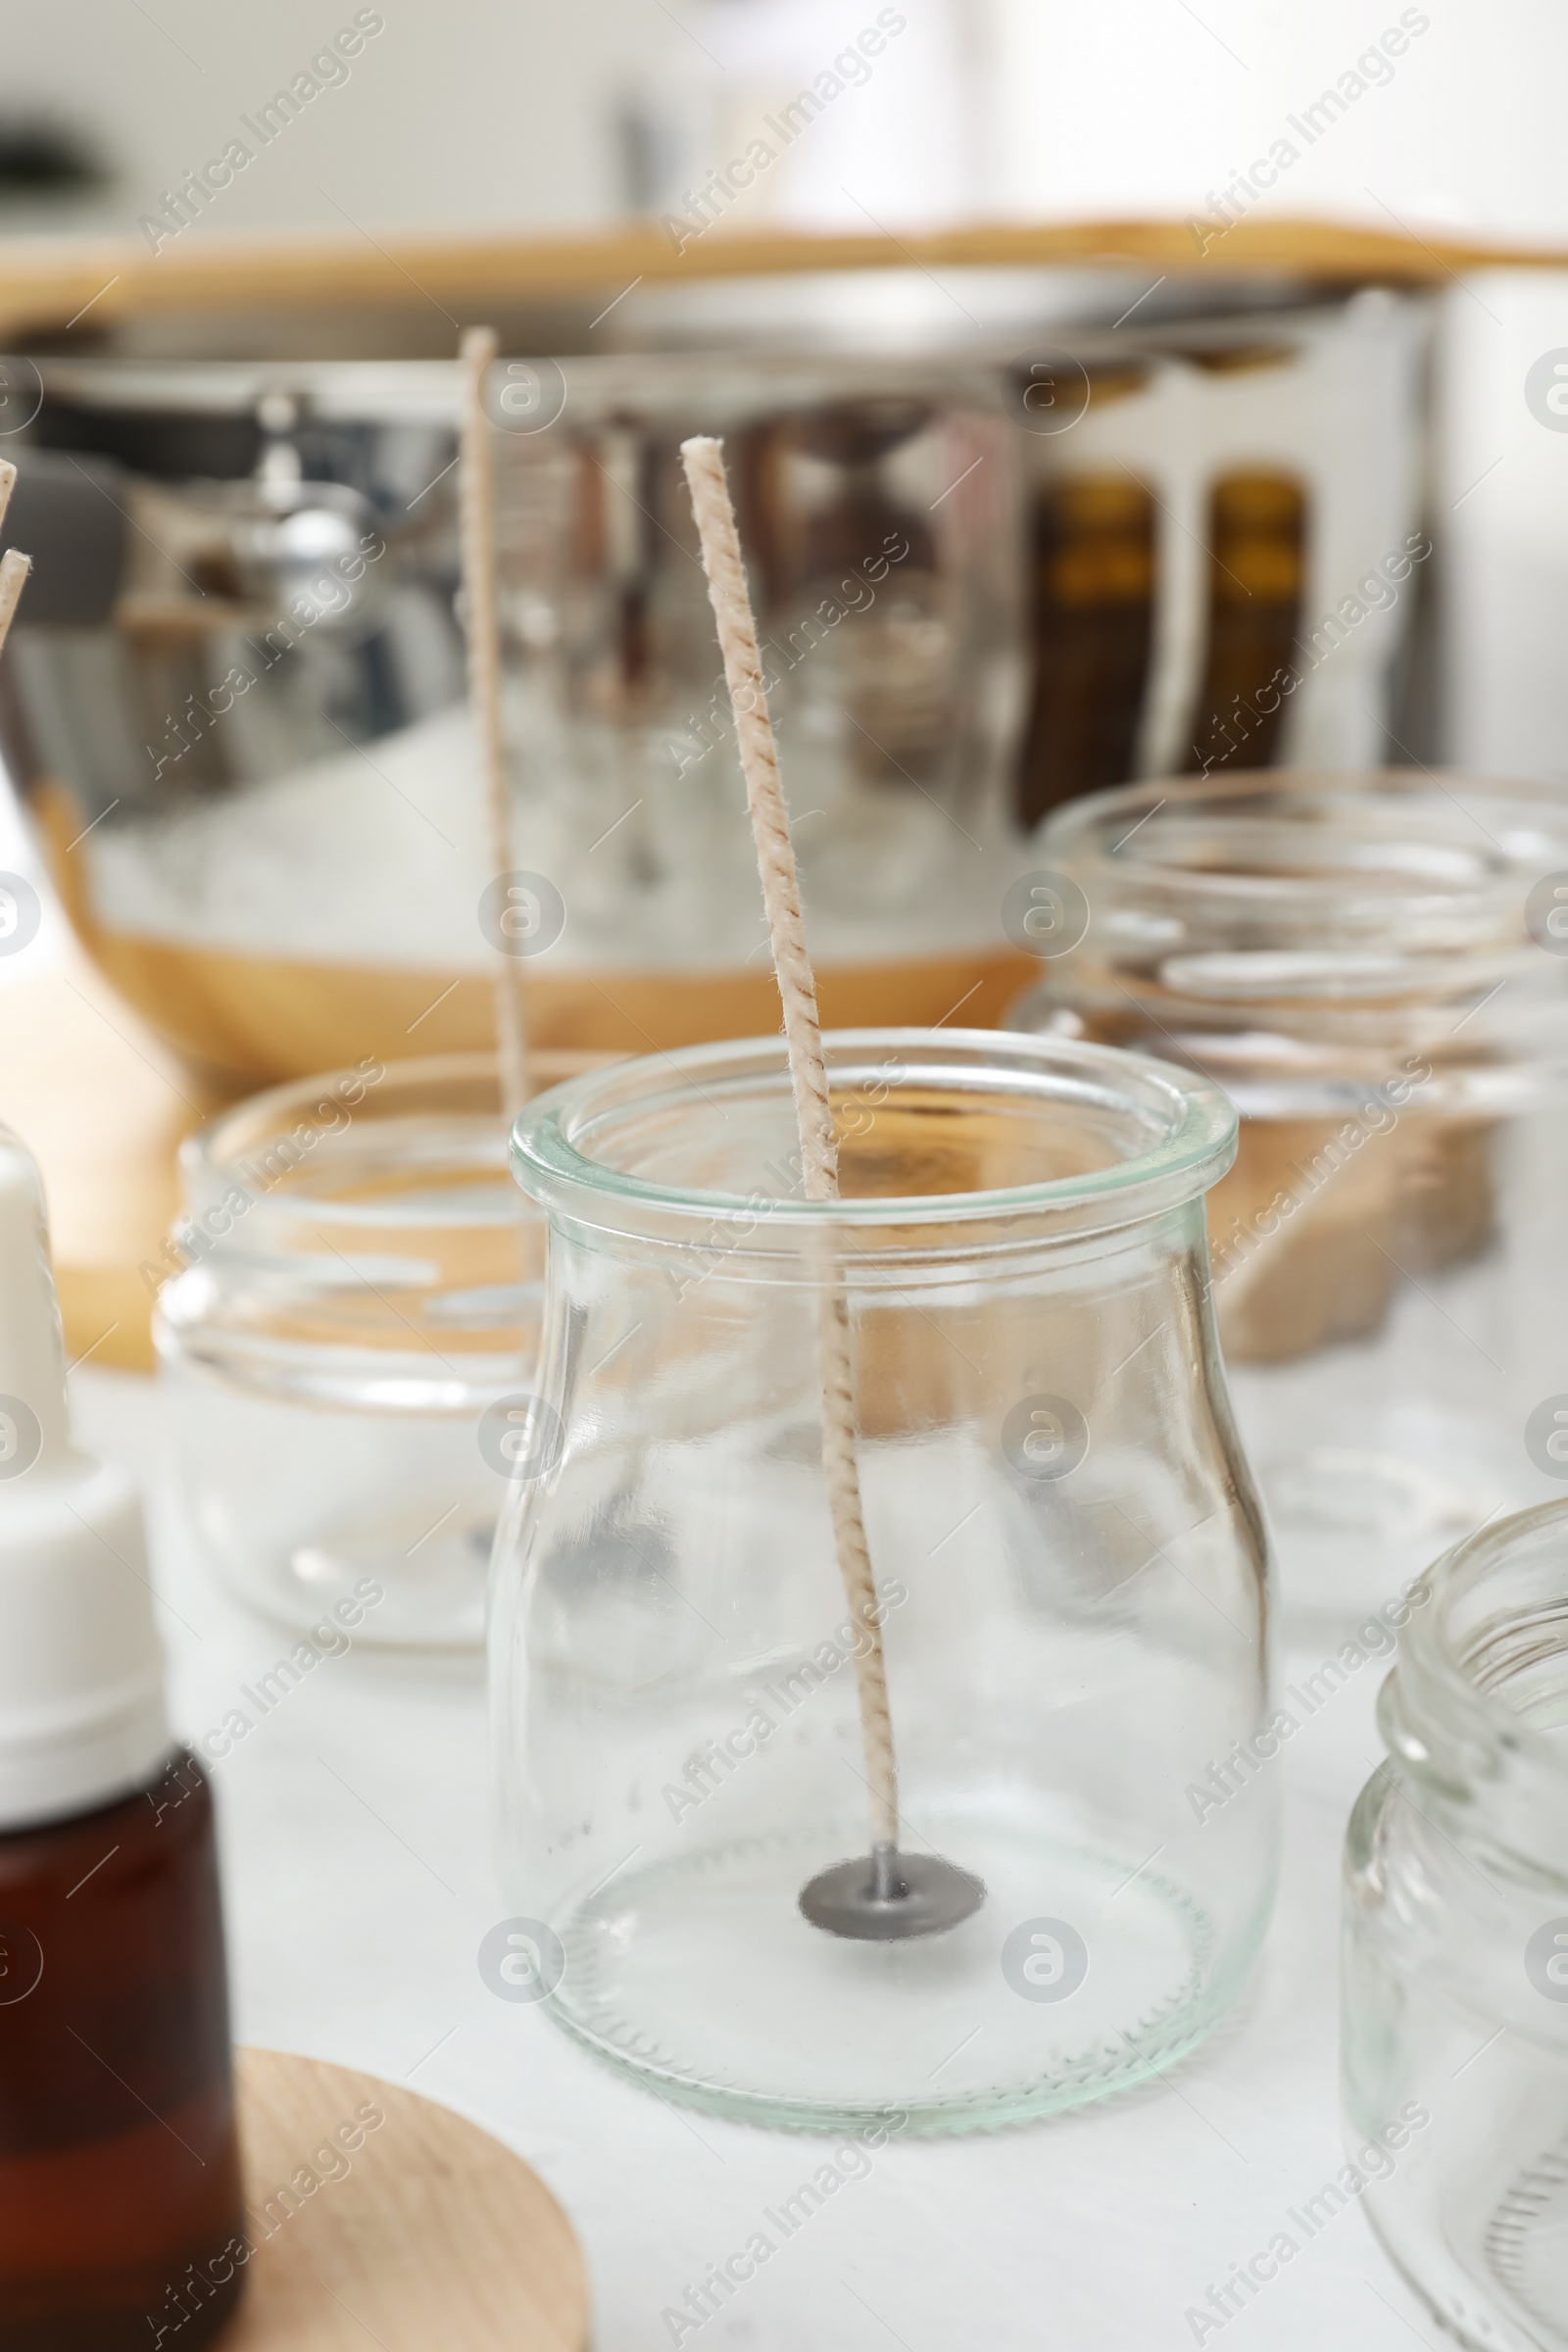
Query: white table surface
[[359, 1885]]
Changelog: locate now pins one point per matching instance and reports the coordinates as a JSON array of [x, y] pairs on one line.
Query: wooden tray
[[45, 280], [436, 2238]]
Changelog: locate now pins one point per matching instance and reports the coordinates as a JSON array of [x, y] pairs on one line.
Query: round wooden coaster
[[377, 2218]]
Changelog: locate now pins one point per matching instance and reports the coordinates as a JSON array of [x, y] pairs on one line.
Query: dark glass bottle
[[1092, 631], [121, 2218], [1257, 526]]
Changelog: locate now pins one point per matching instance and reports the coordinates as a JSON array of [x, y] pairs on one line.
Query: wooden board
[[432, 2238], [44, 282], [102, 1104]]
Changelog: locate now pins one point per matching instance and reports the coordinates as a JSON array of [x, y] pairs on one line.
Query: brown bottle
[[1257, 557], [120, 2216], [1091, 629]]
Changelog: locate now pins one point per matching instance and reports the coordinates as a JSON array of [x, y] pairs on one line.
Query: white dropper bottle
[[82, 1718], [123, 2194]]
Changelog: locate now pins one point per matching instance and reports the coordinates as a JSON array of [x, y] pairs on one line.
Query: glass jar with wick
[[1069, 1568], [360, 1282], [1454, 2015], [1375, 967]]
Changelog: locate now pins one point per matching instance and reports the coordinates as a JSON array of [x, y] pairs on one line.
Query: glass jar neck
[[1476, 1711], [1321, 930]]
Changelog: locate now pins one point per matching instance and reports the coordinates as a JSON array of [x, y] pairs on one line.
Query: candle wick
[[704, 461], [476, 474]]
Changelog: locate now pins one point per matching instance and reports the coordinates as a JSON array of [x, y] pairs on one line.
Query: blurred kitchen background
[[475, 114], [479, 116], [1184, 349]]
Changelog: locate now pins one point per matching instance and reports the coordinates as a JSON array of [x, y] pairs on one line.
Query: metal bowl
[[989, 576]]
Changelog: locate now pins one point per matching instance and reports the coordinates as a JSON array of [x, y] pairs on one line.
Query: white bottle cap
[[82, 1668]]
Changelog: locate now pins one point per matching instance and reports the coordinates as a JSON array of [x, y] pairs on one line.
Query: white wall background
[[501, 110], [460, 111], [1503, 505], [1146, 104]]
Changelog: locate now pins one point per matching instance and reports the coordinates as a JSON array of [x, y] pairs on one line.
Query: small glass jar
[[1455, 1954], [1069, 1555], [1375, 970], [361, 1282]]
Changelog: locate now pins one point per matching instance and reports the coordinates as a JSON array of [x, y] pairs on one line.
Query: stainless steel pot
[[988, 577]]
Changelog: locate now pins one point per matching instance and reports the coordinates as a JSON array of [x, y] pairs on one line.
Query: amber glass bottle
[[1257, 555], [1092, 628], [121, 2216], [121, 2219]]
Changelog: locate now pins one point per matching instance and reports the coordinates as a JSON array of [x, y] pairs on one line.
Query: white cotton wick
[[476, 509], [14, 564], [704, 461]]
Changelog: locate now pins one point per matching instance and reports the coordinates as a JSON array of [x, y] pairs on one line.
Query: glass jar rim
[[1441, 1711], [1197, 1144], [1437, 857], [215, 1153]]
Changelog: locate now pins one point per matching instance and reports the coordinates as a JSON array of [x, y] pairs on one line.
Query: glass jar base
[[427, 1560], [1470, 2314], [1080, 1974], [1525, 2242]]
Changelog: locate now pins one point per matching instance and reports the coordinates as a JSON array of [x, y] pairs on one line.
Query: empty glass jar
[[1068, 1550], [1376, 970], [1455, 1994], [359, 1283]]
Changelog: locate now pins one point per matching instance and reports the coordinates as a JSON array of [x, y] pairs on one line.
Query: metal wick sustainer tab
[[886, 1896]]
